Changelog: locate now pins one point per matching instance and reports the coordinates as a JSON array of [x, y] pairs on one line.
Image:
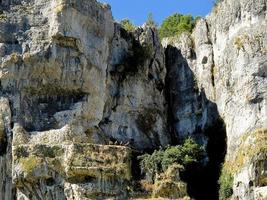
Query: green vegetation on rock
[[177, 24], [150, 21], [188, 153], [169, 184], [127, 25], [226, 185], [3, 17], [30, 163], [248, 150]]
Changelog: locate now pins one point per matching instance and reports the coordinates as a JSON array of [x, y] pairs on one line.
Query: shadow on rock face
[[190, 113]]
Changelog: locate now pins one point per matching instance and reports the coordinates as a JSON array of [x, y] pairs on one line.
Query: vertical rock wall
[[230, 67], [6, 185], [78, 93]]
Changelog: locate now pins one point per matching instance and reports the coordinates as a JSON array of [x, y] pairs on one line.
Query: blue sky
[[137, 10]]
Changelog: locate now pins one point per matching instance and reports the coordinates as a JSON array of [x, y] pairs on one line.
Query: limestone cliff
[[77, 94], [229, 66], [80, 97]]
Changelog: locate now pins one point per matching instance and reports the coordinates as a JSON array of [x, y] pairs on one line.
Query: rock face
[[74, 86], [70, 171], [80, 95], [170, 185], [238, 76], [229, 66]]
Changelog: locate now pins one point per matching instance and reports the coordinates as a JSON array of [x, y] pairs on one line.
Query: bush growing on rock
[[150, 21], [127, 25], [226, 185], [188, 153], [176, 24]]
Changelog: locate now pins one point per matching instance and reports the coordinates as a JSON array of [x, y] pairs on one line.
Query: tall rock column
[[239, 38], [6, 186], [230, 67], [230, 46]]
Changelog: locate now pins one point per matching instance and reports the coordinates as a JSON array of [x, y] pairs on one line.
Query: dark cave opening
[[181, 90], [3, 142], [202, 179]]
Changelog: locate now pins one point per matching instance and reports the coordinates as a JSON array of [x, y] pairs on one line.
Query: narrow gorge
[[82, 101]]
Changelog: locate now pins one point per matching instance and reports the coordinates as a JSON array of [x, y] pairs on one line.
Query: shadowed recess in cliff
[[3, 139], [40, 104], [203, 180], [183, 97]]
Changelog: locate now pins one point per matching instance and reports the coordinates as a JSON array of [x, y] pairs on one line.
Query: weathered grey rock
[[75, 78], [230, 68], [169, 185], [135, 108], [191, 111], [239, 42], [6, 186], [70, 171], [73, 81]]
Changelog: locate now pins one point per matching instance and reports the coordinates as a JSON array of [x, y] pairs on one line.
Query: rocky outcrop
[[239, 71], [6, 185], [70, 171], [229, 66], [76, 90], [80, 95], [170, 185], [135, 108]]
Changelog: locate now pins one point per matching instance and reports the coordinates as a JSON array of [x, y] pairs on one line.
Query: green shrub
[[176, 24], [150, 21], [188, 153], [152, 164], [226, 185], [127, 25]]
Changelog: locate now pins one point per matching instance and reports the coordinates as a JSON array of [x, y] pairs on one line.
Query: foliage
[[239, 43], [197, 18], [226, 185], [188, 153], [127, 25], [58, 9], [150, 20], [247, 150], [176, 24]]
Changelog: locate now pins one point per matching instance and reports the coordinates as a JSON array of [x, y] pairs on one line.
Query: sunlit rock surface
[[80, 95]]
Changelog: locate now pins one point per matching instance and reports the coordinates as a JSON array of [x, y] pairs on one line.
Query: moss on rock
[[251, 145], [71, 161], [169, 184], [29, 164], [226, 185]]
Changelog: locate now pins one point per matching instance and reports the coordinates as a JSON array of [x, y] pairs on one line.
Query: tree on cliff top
[[127, 25], [176, 24], [150, 20]]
